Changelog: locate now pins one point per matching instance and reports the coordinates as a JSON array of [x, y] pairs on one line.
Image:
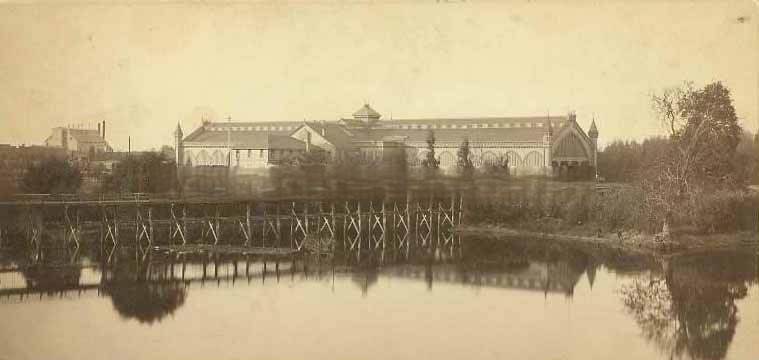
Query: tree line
[[697, 175], [148, 172]]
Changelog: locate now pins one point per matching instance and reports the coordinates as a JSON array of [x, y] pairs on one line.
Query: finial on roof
[[572, 116], [593, 131]]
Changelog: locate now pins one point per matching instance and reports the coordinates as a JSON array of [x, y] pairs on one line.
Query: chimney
[[103, 129], [99, 133]]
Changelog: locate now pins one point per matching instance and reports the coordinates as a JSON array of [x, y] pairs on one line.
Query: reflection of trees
[[48, 270], [50, 279], [146, 301], [365, 279], [691, 311]]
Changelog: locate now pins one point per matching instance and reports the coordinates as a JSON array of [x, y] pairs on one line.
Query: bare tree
[[704, 133]]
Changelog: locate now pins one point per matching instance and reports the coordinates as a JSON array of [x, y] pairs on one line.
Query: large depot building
[[532, 145]]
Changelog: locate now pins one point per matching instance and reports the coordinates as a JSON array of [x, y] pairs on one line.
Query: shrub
[[721, 211], [148, 172], [622, 208], [52, 176]]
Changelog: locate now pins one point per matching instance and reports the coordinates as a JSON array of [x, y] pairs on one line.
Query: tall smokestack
[[99, 133], [103, 129]]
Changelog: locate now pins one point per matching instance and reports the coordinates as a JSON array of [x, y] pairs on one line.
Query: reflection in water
[[49, 279], [686, 307], [147, 302], [690, 309], [134, 296]]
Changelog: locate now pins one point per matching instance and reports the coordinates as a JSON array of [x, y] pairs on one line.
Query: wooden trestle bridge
[[238, 226]]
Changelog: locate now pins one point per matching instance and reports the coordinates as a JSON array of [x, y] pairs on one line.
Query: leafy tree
[[500, 167], [625, 161], [430, 162], [311, 159], [464, 162], [704, 133], [312, 166], [398, 162], [168, 151], [756, 162], [149, 172], [52, 176], [746, 159]]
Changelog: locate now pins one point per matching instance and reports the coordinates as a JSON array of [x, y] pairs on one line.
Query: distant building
[[79, 141], [531, 145]]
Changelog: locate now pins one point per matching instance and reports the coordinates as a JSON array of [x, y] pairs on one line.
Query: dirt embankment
[[627, 241]]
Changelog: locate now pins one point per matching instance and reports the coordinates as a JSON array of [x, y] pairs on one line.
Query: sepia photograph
[[387, 179]]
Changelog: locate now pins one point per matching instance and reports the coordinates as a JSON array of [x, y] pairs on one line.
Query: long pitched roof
[[476, 120], [249, 134], [456, 135], [517, 129], [255, 134]]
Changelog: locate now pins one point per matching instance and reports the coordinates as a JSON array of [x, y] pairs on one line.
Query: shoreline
[[635, 243]]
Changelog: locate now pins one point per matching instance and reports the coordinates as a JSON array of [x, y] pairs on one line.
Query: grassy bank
[[617, 217], [629, 242]]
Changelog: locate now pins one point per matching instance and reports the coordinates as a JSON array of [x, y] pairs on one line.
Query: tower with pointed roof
[[547, 138], [593, 135], [178, 147]]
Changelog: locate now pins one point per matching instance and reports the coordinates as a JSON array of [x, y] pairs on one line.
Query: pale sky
[[144, 67]]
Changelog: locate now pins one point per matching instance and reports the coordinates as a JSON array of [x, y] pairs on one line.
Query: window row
[[473, 126], [252, 128]]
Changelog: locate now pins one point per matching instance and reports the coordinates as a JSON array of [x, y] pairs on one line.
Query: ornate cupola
[[367, 115]]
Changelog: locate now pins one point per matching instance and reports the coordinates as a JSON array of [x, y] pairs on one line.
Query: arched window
[[446, 159], [533, 159], [217, 158], [489, 159], [202, 159], [514, 159]]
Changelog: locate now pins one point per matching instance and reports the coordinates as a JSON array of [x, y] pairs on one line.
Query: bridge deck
[[224, 250]]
